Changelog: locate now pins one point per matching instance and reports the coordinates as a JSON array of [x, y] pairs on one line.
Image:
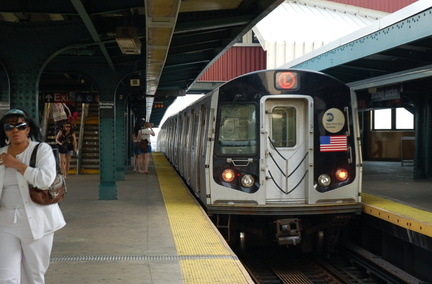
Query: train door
[[186, 146], [287, 153], [194, 142], [200, 175]]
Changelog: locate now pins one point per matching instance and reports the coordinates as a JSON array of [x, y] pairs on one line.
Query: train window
[[237, 129], [284, 127]]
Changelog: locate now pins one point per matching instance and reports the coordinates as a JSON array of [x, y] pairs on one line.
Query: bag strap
[[33, 156], [33, 159]]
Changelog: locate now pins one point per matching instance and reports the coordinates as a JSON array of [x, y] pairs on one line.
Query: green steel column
[[107, 148], [24, 93], [4, 84], [423, 151], [110, 124], [122, 138], [4, 90]]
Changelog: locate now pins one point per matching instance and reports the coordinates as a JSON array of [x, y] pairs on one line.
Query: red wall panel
[[236, 61]]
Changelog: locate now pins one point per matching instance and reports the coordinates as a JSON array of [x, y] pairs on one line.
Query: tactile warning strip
[[194, 234], [102, 258], [407, 217]]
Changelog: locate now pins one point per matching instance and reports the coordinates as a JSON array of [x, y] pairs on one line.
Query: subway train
[[271, 153]]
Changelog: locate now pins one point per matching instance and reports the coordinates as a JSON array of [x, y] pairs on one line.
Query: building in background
[[293, 29]]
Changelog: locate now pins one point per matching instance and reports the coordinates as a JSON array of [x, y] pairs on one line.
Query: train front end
[[286, 143]]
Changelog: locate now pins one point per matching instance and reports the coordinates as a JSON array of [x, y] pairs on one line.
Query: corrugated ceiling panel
[[297, 27], [236, 61], [308, 21], [388, 6]]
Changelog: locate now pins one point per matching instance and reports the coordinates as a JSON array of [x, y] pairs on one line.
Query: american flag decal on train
[[335, 143]]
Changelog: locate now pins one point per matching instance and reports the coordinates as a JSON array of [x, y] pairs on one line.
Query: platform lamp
[[128, 41]]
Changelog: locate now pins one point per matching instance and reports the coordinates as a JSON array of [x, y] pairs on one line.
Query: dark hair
[[137, 128], [70, 129], [35, 132]]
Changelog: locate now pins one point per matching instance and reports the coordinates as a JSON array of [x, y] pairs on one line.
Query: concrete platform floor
[[114, 241]]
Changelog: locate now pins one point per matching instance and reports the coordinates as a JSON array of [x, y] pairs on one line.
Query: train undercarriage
[[310, 233]]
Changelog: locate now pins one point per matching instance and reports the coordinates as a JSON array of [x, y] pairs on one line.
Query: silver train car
[[273, 148]]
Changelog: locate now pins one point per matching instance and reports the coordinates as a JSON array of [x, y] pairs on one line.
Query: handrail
[[84, 115], [44, 121]]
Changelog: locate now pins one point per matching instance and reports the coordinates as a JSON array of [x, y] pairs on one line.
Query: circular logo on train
[[333, 120]]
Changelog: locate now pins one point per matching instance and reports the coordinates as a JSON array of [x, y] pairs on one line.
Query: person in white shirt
[[60, 113], [26, 228], [145, 133]]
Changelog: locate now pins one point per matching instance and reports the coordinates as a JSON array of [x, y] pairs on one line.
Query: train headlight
[[324, 180], [228, 175], [342, 174], [247, 180]]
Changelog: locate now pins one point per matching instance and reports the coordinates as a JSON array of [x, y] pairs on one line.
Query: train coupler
[[288, 231]]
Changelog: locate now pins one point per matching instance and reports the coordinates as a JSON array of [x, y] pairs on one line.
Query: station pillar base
[[107, 191]]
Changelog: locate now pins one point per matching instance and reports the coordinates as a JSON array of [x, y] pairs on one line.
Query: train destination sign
[[286, 80]]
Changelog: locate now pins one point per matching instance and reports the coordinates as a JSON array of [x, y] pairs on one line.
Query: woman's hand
[[10, 161], [6, 159]]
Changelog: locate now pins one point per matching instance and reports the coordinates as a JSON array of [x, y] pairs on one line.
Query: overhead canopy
[[394, 49], [179, 40], [297, 27]]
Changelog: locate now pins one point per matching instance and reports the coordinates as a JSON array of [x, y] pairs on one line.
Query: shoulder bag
[[56, 191], [144, 145]]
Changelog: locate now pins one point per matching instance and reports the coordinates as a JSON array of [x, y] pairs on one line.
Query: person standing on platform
[[61, 114], [145, 134], [66, 139], [26, 228], [138, 153]]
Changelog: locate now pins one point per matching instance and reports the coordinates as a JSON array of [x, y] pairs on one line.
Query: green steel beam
[[92, 30], [383, 35]]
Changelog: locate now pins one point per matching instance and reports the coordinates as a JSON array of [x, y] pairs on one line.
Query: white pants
[[22, 259]]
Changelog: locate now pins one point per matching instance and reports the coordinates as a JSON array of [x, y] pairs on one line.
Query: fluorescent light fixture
[[128, 41]]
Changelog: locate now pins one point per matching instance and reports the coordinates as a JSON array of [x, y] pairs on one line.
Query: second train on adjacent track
[[273, 150]]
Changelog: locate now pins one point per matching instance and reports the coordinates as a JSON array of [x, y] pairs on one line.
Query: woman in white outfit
[[26, 228]]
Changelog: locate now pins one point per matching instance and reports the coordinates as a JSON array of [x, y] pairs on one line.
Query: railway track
[[274, 265]]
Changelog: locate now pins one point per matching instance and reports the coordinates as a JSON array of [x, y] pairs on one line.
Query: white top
[[58, 111], [145, 134], [43, 219]]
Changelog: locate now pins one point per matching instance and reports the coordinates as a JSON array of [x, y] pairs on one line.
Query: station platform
[[391, 194], [154, 232]]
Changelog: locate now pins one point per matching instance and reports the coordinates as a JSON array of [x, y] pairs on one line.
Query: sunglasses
[[20, 126]]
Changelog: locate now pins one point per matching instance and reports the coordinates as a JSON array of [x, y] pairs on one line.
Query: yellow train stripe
[[209, 259], [416, 220]]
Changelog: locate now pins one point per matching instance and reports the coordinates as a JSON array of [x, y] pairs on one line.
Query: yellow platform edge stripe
[[194, 234], [407, 217]]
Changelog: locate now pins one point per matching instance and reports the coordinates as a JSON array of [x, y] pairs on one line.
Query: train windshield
[[284, 127], [237, 129]]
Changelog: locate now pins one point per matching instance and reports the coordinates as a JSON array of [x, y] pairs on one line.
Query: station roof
[[179, 39], [313, 20], [392, 50]]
